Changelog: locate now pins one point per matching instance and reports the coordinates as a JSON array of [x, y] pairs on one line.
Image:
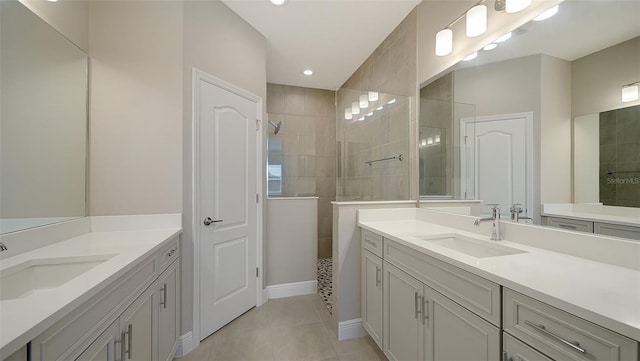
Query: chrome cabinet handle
[[417, 301], [425, 310], [574, 345], [123, 335], [164, 296], [208, 221], [378, 280], [128, 333]]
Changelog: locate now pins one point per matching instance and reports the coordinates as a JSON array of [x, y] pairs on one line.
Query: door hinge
[[257, 124], [465, 195], [465, 139], [257, 198], [257, 272]]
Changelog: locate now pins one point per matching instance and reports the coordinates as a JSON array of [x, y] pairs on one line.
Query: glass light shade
[[476, 21], [629, 93], [437, 138], [504, 37], [513, 6], [471, 56], [360, 119], [347, 114], [444, 42], [369, 114], [380, 107], [490, 46], [429, 140], [277, 2], [423, 142], [547, 13], [391, 101], [308, 72], [373, 96], [355, 108], [364, 101]]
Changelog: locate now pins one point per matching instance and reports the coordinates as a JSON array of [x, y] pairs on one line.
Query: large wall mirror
[[43, 122], [499, 126]]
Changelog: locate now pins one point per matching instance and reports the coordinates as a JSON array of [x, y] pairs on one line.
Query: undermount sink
[[472, 247], [30, 277]]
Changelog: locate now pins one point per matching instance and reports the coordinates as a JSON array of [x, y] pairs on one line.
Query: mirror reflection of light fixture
[[429, 140], [471, 56], [437, 138], [490, 46], [547, 13], [514, 6], [423, 142], [476, 21], [364, 101], [630, 92], [369, 114], [504, 37], [444, 42], [347, 114], [380, 107], [355, 108], [373, 96], [391, 101], [360, 119]]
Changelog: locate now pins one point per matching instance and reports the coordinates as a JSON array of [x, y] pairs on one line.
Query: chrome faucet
[[2, 247], [496, 233], [516, 211]]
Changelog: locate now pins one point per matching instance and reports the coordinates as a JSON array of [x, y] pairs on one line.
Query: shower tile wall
[[305, 149], [390, 69], [620, 153]]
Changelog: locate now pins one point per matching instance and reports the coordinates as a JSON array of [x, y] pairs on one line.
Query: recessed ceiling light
[[490, 46], [308, 72], [471, 56], [504, 37], [277, 2], [547, 13]]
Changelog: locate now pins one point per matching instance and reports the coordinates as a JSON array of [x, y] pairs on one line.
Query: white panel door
[[500, 149], [227, 204]]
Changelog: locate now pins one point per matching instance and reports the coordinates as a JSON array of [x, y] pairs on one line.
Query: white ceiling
[[331, 37]]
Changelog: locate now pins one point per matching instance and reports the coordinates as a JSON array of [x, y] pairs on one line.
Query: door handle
[[207, 221]]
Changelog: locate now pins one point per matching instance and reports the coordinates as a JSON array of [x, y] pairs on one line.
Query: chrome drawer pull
[[425, 309], [417, 299], [574, 345], [378, 278]]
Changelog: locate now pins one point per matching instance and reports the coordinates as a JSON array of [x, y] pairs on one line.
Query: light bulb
[[476, 21], [444, 42]]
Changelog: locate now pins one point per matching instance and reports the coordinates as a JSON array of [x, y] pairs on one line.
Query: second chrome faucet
[[496, 233]]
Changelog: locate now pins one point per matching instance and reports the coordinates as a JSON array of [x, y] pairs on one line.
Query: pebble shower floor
[[325, 287]]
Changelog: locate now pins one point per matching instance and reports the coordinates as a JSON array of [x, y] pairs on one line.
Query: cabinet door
[[454, 333], [402, 302], [372, 295], [168, 313], [104, 347], [138, 327], [514, 350]]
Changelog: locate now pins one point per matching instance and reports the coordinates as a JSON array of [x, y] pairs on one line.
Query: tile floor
[[292, 329]]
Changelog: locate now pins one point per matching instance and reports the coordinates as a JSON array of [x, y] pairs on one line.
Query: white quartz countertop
[[22, 319], [595, 213], [594, 217], [604, 294]]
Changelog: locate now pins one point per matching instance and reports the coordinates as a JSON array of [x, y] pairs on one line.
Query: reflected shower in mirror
[[43, 122]]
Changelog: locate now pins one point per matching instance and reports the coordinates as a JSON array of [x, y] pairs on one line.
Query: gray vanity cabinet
[[104, 347], [514, 350], [372, 295]]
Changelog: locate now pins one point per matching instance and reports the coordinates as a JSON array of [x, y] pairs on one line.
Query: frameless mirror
[[43, 122], [523, 96]]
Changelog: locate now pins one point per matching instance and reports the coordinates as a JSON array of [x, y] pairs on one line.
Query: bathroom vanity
[[434, 291], [621, 222], [108, 294]]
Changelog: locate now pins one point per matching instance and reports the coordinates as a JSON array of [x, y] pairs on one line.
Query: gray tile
[[628, 152], [628, 125], [303, 342], [275, 98], [293, 100], [608, 153]]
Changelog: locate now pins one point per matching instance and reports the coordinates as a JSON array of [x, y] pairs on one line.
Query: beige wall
[[308, 147], [219, 42], [597, 79], [135, 107], [71, 18]]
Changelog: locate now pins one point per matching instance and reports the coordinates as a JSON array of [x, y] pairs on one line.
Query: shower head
[[276, 126]]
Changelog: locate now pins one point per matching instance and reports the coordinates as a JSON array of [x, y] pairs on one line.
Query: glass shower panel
[[372, 136]]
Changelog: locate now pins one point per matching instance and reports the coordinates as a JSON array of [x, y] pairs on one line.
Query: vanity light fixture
[[504, 37], [364, 101], [373, 96], [355, 108], [547, 13], [423, 143], [307, 72], [370, 114], [429, 140], [444, 42], [490, 46], [360, 119], [514, 6], [471, 56], [476, 21], [278, 2], [437, 138], [380, 107], [630, 92], [391, 101], [347, 114]]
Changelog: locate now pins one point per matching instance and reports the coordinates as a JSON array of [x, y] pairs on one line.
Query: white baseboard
[[292, 289], [265, 296], [186, 344], [351, 329]]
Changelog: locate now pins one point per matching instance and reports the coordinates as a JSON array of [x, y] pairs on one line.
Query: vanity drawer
[[475, 293], [372, 242], [570, 224], [168, 254], [561, 335], [617, 230]]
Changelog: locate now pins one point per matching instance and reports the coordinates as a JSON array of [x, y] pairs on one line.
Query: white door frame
[[198, 76], [528, 116]]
